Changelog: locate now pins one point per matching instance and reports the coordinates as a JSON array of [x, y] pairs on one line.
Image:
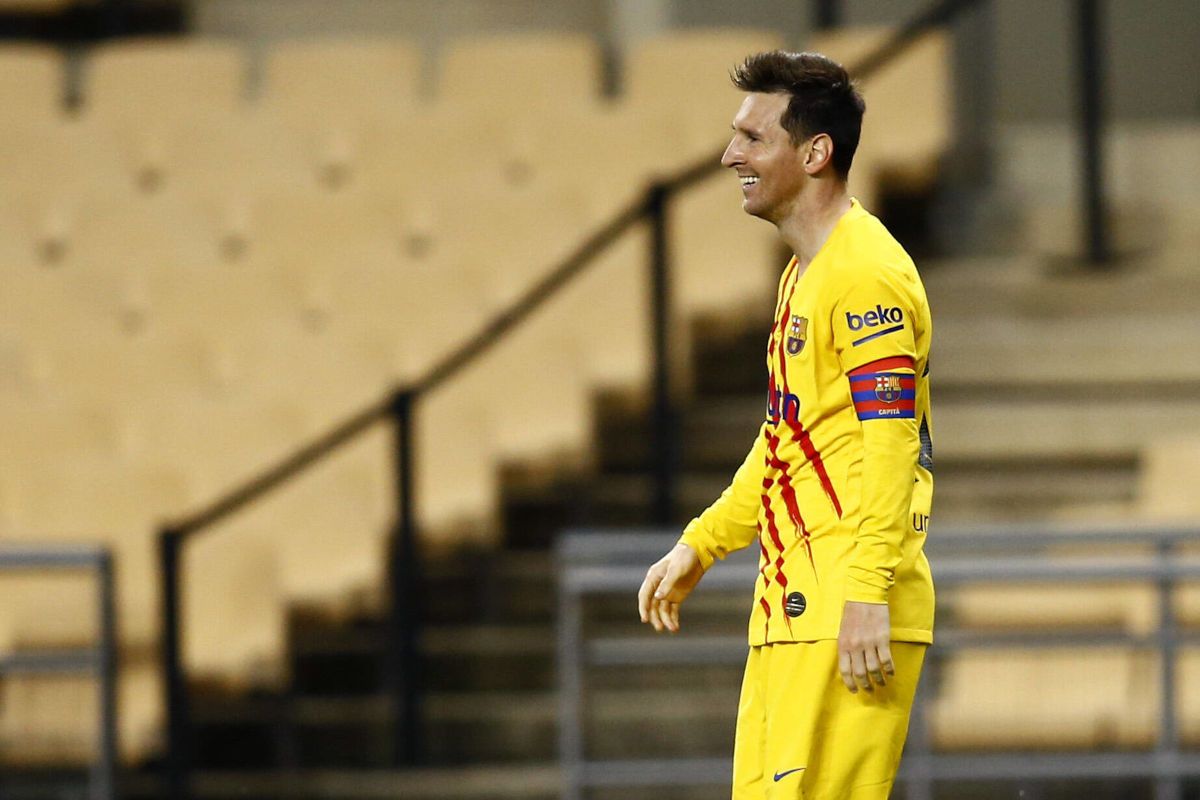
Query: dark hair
[[823, 99]]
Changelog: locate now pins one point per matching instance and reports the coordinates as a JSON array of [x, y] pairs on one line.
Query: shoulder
[[868, 255]]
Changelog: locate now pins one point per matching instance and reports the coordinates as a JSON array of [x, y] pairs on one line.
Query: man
[[836, 489]]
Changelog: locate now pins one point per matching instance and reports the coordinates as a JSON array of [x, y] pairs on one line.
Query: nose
[[732, 155]]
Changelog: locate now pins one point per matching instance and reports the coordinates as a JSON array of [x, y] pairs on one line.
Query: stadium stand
[[177, 78], [690, 68], [340, 79], [32, 79], [196, 291], [521, 75], [908, 125]]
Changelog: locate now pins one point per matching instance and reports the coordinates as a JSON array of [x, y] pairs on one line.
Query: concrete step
[[466, 727], [503, 657], [530, 781]]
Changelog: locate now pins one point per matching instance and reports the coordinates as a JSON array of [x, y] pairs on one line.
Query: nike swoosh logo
[[781, 775]]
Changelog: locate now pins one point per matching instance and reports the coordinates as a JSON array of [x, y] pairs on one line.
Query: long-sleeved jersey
[[837, 487]]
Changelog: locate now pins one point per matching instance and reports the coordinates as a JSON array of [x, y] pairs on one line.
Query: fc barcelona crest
[[887, 388], [797, 335]]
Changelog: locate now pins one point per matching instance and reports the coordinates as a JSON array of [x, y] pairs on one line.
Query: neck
[[811, 221]]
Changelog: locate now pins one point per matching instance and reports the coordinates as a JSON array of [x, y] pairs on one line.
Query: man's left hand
[[864, 646]]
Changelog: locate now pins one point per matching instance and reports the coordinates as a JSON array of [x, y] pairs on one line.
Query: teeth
[[749, 180]]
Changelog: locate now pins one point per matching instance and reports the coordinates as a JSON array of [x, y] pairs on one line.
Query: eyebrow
[[745, 129]]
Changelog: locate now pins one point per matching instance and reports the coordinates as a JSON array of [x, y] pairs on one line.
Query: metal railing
[[605, 562], [99, 660]]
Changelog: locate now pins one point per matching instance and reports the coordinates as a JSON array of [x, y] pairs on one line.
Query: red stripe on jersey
[[780, 577], [789, 498], [801, 437]]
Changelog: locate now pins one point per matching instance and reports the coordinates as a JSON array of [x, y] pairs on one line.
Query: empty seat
[[610, 154], [724, 259], [330, 79], [234, 615], [118, 502], [535, 73], [1169, 470], [49, 171], [683, 78], [31, 84], [211, 155], [908, 124], [146, 82], [1044, 699]]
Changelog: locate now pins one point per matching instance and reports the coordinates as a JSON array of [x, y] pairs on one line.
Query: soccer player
[[836, 489]]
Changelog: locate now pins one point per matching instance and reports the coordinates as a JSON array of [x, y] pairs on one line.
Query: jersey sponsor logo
[[795, 604], [781, 775], [892, 318], [874, 318], [797, 335], [920, 522], [783, 406]]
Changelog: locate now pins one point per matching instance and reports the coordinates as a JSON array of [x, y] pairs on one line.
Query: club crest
[[887, 388], [797, 335]]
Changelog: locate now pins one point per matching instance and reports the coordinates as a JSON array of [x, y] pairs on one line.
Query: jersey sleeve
[[873, 318], [876, 345], [731, 522]]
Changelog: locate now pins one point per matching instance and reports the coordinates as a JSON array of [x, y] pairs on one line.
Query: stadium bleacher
[[192, 291]]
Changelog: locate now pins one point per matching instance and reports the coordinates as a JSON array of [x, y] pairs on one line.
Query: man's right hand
[[668, 582]]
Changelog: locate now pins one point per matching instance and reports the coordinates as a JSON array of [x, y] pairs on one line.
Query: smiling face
[[772, 170]]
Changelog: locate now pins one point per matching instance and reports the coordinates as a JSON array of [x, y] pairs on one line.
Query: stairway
[[488, 649]]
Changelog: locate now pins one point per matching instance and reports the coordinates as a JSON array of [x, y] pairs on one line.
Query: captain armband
[[885, 389]]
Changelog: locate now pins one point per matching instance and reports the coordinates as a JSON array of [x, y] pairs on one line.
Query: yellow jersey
[[838, 485]]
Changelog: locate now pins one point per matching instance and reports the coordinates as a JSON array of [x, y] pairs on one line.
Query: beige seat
[[329, 79], [117, 502], [528, 73], [234, 618], [177, 79], [50, 171], [31, 84], [214, 156], [416, 152], [610, 154], [725, 260], [683, 79], [908, 124], [1168, 472], [1044, 699]]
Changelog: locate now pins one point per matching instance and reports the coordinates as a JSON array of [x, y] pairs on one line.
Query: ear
[[819, 155]]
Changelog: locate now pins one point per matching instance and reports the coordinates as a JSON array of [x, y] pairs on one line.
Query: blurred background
[[357, 357]]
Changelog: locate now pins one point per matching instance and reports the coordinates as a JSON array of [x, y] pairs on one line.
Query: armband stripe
[[870, 396]]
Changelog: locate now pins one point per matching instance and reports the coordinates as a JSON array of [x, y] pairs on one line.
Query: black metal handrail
[[400, 406]]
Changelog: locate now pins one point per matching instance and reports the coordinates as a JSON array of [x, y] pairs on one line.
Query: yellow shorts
[[802, 735]]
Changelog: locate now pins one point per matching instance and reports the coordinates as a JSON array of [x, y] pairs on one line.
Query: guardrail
[[99, 660], [599, 562]]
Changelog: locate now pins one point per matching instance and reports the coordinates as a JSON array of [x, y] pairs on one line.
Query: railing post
[[1167, 784], [663, 439], [1090, 44], [177, 765], [104, 775], [403, 679], [827, 14]]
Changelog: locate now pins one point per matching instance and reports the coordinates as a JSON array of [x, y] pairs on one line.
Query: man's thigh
[[802, 734]]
